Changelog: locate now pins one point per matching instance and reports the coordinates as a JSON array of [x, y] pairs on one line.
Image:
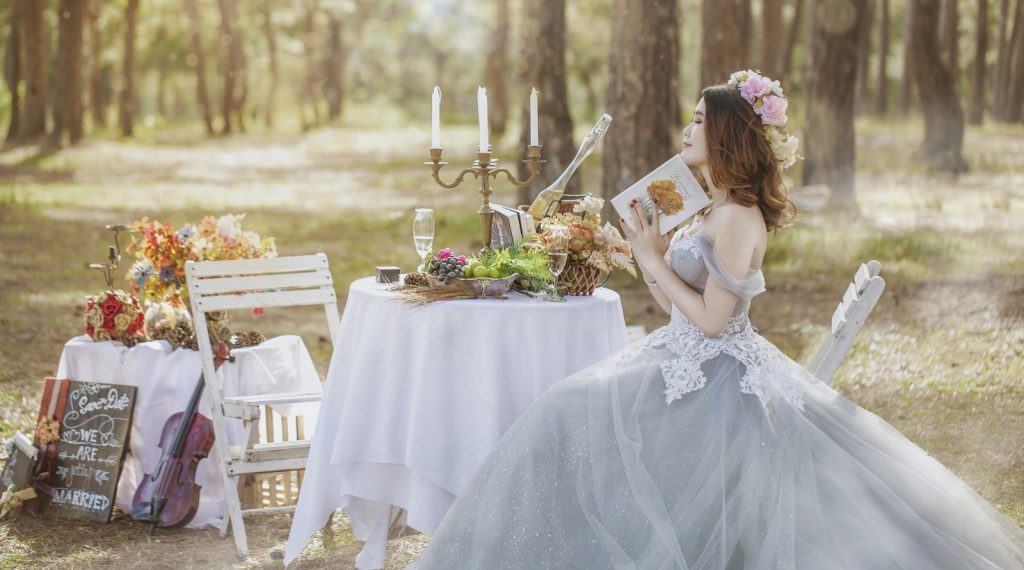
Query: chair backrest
[[247, 284], [859, 299]]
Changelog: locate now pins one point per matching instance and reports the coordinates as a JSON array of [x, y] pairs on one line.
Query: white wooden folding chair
[[247, 284], [847, 320]]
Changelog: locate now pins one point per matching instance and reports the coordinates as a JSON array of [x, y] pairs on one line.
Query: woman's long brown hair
[[740, 159]]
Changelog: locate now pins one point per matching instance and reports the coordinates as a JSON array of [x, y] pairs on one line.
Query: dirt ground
[[941, 357]]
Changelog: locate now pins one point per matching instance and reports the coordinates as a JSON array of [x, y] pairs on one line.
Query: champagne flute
[[558, 254], [423, 234]]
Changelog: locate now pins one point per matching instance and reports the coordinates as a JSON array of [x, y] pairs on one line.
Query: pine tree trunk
[[234, 73], [722, 50], [333, 62], [96, 99], [977, 107], [202, 92], [864, 60], [771, 37], [949, 38], [497, 64], [1015, 92], [127, 102], [791, 38], [12, 68], [907, 81], [308, 95], [67, 111], [268, 33], [643, 87], [829, 136], [1001, 87], [161, 74], [33, 36], [882, 95], [543, 67], [943, 116]]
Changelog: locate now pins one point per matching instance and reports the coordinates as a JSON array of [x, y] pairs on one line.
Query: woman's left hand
[[648, 245]]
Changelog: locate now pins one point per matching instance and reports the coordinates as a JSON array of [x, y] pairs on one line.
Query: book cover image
[[671, 187]]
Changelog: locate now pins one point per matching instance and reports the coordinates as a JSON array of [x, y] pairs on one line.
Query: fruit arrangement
[[446, 266]]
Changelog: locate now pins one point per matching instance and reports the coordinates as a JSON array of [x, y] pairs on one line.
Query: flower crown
[[766, 97]]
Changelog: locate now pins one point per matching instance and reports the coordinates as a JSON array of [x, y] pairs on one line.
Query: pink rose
[[754, 87], [773, 110]]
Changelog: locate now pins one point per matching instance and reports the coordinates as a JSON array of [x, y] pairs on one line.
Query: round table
[[165, 378], [417, 397]]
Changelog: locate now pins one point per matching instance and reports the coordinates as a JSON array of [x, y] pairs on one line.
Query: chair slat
[[253, 283], [850, 297], [262, 265], [266, 300], [861, 278], [838, 318]]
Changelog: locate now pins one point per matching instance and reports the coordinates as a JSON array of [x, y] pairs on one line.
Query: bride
[[702, 446]]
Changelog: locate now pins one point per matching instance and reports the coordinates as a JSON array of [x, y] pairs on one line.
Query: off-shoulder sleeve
[[745, 288]]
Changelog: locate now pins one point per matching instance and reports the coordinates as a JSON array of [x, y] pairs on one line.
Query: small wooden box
[[387, 274]]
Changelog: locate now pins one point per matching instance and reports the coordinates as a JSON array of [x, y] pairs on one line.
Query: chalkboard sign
[[93, 441]]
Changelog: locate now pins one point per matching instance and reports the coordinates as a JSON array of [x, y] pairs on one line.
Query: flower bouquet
[[594, 250], [115, 315]]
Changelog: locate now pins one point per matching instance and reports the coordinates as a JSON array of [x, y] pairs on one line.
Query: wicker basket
[[581, 279]]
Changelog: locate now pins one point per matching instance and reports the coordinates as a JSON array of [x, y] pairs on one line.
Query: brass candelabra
[[113, 256], [484, 168]]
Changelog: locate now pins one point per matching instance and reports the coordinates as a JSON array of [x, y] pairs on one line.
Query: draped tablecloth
[[417, 397], [165, 379]]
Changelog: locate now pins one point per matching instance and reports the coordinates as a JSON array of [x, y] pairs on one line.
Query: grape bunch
[[447, 266]]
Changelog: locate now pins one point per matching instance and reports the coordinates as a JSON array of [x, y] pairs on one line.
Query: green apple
[[481, 271]]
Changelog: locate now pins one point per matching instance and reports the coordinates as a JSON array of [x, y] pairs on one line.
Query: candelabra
[[113, 256], [484, 168]]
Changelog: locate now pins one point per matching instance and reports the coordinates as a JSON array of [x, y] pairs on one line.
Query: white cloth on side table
[[419, 397], [165, 379]]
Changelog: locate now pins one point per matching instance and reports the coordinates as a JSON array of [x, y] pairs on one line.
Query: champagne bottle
[[552, 193]]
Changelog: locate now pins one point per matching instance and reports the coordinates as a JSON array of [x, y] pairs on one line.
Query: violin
[[169, 497]]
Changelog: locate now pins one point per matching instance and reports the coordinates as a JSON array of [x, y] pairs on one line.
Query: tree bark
[[907, 81], [977, 106], [497, 64], [949, 39], [334, 62], [791, 38], [864, 59], [308, 95], [199, 63], [643, 87], [12, 68], [722, 52], [771, 37], [127, 102], [67, 109], [97, 101], [234, 71], [882, 95], [543, 67], [268, 33], [33, 36], [943, 116], [1015, 90], [1001, 87], [829, 136], [161, 73]]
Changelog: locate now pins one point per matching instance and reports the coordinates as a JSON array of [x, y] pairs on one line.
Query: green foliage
[[530, 264]]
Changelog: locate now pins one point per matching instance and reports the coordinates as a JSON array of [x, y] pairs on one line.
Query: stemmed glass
[[558, 254], [423, 234]]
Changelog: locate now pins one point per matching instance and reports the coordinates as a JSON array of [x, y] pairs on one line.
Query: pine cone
[[417, 280], [246, 338]]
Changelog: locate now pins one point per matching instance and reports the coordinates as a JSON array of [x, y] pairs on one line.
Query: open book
[[671, 188]]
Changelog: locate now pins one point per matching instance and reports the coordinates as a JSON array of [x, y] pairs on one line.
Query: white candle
[[533, 118], [481, 104], [435, 118]]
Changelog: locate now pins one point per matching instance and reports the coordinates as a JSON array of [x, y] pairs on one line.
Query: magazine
[[671, 187]]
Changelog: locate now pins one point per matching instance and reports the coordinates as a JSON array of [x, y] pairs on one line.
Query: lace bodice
[[692, 257]]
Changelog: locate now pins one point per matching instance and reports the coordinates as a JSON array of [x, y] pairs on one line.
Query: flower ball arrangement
[[115, 315]]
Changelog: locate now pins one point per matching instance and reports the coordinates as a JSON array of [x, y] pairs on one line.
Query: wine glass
[[423, 234], [558, 254]]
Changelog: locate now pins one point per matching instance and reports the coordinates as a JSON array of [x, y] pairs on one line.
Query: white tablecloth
[[165, 379], [417, 398]]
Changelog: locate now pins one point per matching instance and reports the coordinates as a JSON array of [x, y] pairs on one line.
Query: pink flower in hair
[[773, 110], [754, 87]]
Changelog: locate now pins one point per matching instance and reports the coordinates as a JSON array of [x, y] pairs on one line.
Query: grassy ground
[[941, 357]]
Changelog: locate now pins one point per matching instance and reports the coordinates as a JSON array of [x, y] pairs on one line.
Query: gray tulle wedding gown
[[683, 451]]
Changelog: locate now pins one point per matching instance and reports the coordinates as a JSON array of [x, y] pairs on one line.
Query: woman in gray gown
[[702, 446]]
